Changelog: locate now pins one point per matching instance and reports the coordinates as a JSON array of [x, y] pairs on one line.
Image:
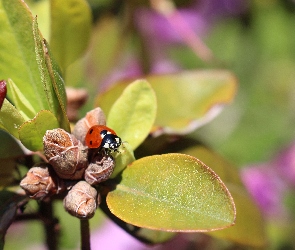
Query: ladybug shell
[[94, 138]]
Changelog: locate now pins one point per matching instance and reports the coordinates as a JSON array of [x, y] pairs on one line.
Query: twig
[[85, 235], [50, 223]]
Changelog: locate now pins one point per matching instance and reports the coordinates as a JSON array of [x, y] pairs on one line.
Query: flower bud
[[41, 182], [65, 153], [81, 200], [100, 169], [93, 117]]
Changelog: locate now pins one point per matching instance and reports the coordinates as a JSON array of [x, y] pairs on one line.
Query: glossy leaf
[[17, 53], [10, 118], [3, 91], [172, 192], [51, 79], [249, 227], [70, 30], [133, 114], [31, 132], [186, 100]]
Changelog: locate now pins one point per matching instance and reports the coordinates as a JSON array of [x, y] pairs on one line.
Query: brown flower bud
[[65, 153], [41, 182], [100, 169], [81, 200], [93, 117]]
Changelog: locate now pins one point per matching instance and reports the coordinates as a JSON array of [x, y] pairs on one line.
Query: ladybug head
[[111, 142]]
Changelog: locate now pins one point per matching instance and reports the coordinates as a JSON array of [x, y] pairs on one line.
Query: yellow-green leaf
[[10, 118], [108, 45], [25, 58], [31, 132], [20, 101], [123, 158], [70, 30], [144, 235], [172, 192], [51, 79], [133, 114], [186, 100], [17, 53], [249, 228]]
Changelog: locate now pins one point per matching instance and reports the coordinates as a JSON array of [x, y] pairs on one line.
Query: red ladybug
[[100, 136]]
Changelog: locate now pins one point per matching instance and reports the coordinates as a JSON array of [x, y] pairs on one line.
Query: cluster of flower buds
[[71, 168]]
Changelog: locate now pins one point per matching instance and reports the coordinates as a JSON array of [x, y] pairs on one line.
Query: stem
[[49, 222], [85, 235]]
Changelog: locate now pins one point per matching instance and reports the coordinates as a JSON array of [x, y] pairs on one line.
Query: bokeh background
[[253, 39]]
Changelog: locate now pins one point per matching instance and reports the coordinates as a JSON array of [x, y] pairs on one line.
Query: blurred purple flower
[[269, 183], [266, 187], [155, 27], [199, 17], [285, 164], [160, 27], [112, 237]]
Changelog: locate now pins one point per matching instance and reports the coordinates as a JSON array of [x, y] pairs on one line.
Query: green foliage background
[[259, 49]]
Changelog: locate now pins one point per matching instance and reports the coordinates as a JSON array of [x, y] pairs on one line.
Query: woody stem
[[46, 212], [85, 235]]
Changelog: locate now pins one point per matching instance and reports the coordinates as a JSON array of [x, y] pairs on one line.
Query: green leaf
[[249, 228], [123, 158], [20, 101], [17, 53], [186, 100], [25, 58], [10, 118], [144, 235], [172, 192], [108, 44], [70, 30], [133, 114], [51, 79], [31, 132], [193, 97]]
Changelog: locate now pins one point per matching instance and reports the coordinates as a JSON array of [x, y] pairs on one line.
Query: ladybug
[[102, 137]]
